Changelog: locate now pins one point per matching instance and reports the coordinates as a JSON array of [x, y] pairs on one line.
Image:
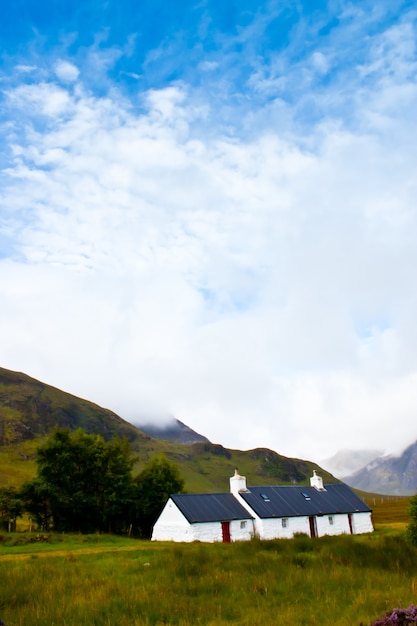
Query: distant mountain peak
[[389, 475]]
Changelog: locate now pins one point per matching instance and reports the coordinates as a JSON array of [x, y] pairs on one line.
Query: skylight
[[265, 497], [306, 496]]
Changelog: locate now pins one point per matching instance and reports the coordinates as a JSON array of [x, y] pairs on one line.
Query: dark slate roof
[[210, 507], [291, 501]]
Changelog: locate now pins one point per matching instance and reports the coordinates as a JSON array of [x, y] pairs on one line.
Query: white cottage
[[267, 512], [203, 517]]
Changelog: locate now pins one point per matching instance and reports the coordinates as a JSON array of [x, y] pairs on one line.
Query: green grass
[[388, 510], [25, 543], [338, 581]]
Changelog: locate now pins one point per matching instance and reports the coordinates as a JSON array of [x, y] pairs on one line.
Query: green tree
[[84, 483], [153, 486], [10, 508], [35, 500], [412, 525], [116, 490]]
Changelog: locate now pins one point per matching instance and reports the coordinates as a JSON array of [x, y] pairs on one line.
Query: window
[[331, 520], [284, 522], [243, 524], [306, 496], [265, 498]]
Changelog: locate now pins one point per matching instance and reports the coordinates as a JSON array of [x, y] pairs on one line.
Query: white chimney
[[316, 481], [237, 483]]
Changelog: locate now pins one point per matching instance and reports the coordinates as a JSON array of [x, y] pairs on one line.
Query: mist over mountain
[[174, 430], [345, 462], [390, 475]]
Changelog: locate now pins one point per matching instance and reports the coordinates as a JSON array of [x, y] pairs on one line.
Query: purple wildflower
[[398, 617]]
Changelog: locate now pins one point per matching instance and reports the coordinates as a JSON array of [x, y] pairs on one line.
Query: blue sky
[[208, 209]]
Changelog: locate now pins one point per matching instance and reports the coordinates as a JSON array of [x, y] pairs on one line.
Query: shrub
[[398, 617], [412, 525]]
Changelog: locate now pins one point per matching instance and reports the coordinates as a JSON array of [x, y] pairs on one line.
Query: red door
[[226, 532], [313, 526]]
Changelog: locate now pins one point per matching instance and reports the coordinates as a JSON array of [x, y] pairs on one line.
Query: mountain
[[174, 431], [30, 410], [388, 474], [346, 462]]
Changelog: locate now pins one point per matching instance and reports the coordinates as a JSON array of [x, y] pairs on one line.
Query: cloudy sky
[[208, 209]]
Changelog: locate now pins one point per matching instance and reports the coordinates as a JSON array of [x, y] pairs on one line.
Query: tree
[[153, 486], [117, 487], [412, 525], [10, 507], [84, 483], [35, 500]]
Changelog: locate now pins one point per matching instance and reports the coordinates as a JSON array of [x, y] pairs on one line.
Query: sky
[[208, 210]]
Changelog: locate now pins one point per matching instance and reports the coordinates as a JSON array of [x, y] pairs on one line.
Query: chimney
[[316, 481], [237, 483]]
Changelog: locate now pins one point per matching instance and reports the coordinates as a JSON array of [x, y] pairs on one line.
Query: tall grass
[[330, 581]]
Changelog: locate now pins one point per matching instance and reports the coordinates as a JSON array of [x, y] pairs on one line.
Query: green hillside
[[29, 410]]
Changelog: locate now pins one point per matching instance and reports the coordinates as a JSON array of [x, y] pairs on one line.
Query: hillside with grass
[[30, 410]]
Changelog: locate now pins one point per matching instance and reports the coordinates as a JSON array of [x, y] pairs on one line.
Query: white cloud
[[66, 72], [320, 62], [26, 69], [258, 284], [208, 66]]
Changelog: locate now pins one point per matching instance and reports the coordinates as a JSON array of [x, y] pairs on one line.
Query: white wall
[[362, 523], [207, 531], [340, 525], [212, 531], [171, 525], [273, 529], [241, 534]]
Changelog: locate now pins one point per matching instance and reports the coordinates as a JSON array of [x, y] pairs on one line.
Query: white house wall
[[340, 525], [273, 528], [205, 531], [212, 531], [172, 525], [242, 530], [362, 523]]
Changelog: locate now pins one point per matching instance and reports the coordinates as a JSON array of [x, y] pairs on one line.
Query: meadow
[[106, 580]]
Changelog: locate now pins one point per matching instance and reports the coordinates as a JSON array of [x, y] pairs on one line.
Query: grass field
[[105, 580], [388, 510]]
